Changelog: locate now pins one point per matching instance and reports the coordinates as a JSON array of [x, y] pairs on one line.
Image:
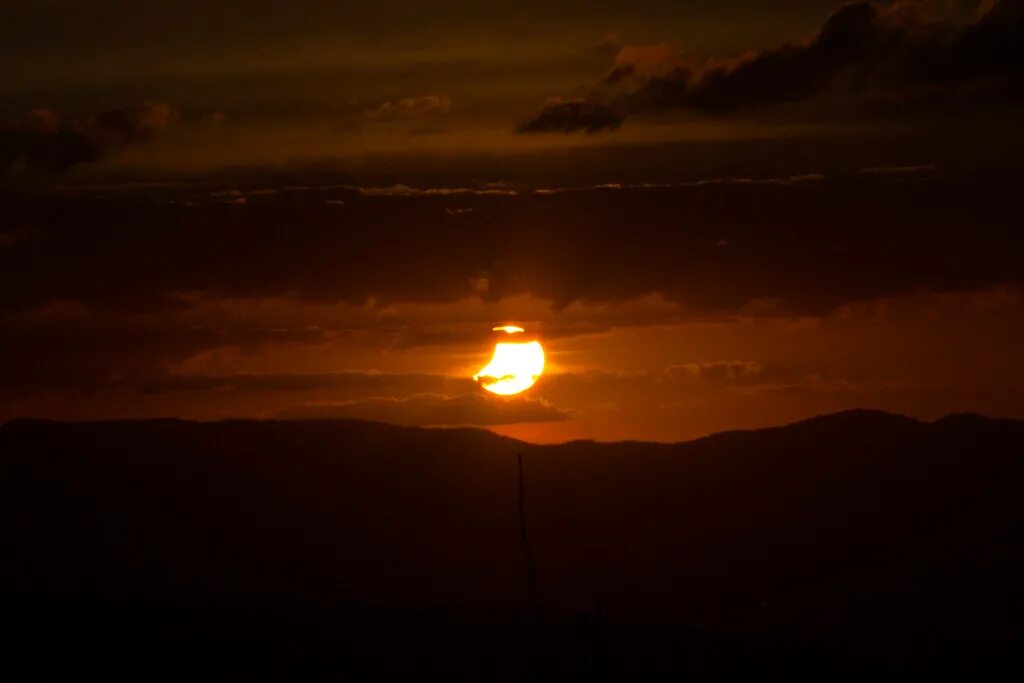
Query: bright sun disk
[[514, 368]]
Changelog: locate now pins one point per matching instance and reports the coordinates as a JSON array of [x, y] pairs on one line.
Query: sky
[[714, 215]]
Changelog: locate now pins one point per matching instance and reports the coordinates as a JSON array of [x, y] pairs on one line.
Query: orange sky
[[631, 375], [715, 216]]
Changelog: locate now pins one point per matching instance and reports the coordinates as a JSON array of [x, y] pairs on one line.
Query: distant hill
[[854, 539]]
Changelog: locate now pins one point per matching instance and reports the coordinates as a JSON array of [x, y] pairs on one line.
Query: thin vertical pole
[[531, 574]]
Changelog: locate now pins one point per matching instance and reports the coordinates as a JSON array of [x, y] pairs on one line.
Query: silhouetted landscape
[[858, 541]]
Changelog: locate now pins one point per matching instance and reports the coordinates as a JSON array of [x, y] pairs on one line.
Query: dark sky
[[714, 214]]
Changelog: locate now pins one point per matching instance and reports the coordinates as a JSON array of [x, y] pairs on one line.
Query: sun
[[515, 366]]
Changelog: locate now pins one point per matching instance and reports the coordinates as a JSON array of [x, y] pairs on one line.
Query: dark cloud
[[75, 346], [45, 142], [715, 248], [571, 116], [790, 73], [25, 148], [132, 124], [906, 55], [714, 371], [376, 383], [866, 50], [429, 410], [409, 108]]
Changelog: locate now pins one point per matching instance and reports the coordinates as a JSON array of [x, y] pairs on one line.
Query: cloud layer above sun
[[667, 310]]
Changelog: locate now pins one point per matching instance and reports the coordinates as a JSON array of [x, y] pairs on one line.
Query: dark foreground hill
[[856, 541]]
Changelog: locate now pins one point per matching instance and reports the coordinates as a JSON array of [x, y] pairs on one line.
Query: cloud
[[720, 374], [740, 242], [400, 190], [133, 124], [74, 345], [573, 115], [789, 73], [376, 383], [643, 60], [916, 13], [713, 371], [610, 44], [27, 148], [46, 142], [880, 58], [433, 410], [912, 169], [782, 180], [410, 108]]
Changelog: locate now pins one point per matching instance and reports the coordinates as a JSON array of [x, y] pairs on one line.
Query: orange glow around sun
[[515, 366]]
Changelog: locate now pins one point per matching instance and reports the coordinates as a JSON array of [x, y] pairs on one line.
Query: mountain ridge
[[864, 535], [824, 419]]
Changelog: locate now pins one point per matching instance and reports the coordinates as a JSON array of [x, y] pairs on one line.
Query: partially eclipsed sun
[[514, 368]]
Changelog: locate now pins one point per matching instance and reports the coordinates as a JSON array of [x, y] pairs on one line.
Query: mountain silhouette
[[859, 540]]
